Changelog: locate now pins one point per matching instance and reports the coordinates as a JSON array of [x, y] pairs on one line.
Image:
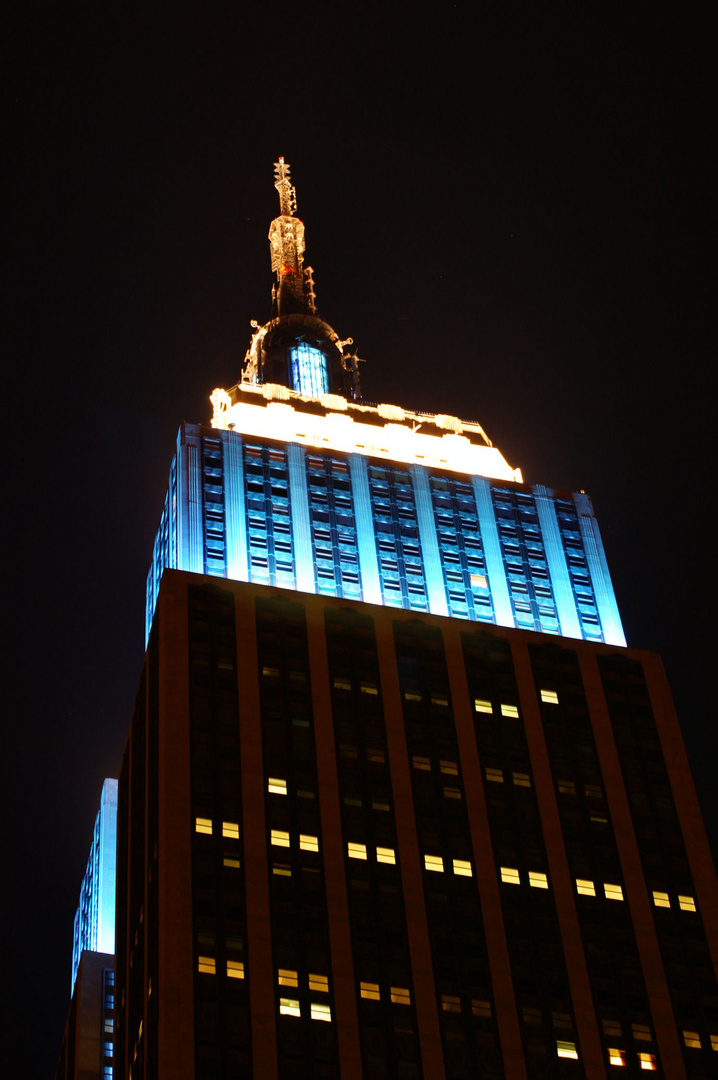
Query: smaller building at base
[[87, 1044]]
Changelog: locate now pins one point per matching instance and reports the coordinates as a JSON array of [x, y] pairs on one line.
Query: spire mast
[[286, 244]]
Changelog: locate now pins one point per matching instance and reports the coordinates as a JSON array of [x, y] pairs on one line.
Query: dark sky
[[508, 207]]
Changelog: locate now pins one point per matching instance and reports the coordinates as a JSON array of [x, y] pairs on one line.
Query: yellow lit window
[[480, 1008], [449, 768], [368, 688], [349, 800], [320, 1012], [613, 892], [496, 775], [279, 838], [686, 903], [203, 825], [289, 1007], [380, 806], [298, 676], [510, 710], [342, 684], [462, 868], [410, 695], [714, 1042], [276, 786], [434, 862], [599, 819], [612, 1027], [356, 851], [232, 863], [452, 793], [510, 876], [399, 995], [483, 706], [521, 779], [320, 983], [692, 1039], [616, 1057], [282, 870], [538, 880], [566, 1049], [375, 755], [439, 699], [450, 1004], [647, 1062], [308, 843], [270, 672], [370, 991], [287, 978], [421, 763], [566, 787], [386, 855], [593, 791], [479, 581], [235, 969], [641, 1032], [661, 899], [230, 829], [585, 888], [550, 697], [206, 965]]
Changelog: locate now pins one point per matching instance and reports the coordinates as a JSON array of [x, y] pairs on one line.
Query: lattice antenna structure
[[286, 244]]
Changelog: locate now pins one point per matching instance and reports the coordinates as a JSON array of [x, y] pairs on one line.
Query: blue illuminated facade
[[403, 535], [95, 916]]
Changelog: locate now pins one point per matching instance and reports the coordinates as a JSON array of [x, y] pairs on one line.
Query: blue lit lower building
[[95, 916]]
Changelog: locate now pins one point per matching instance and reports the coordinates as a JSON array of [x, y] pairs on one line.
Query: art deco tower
[[397, 800]]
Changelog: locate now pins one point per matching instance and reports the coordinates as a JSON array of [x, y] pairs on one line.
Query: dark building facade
[[364, 842], [87, 1046]]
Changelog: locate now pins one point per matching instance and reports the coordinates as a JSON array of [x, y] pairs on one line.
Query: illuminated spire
[[286, 244]]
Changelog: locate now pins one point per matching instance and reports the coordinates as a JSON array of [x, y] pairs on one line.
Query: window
[[452, 793], [612, 1027], [434, 862], [235, 969], [495, 775], [439, 699], [370, 991], [566, 1049], [483, 706], [233, 864], [289, 1007], [282, 870], [660, 899], [566, 787], [480, 1008], [521, 779], [550, 697], [593, 791], [692, 1039], [203, 825], [356, 851], [287, 978], [320, 1012], [276, 786], [423, 764], [342, 684], [714, 1042], [368, 688], [308, 843], [386, 855], [538, 880], [462, 868], [616, 1057], [510, 876], [613, 892], [686, 903], [279, 838], [410, 695], [641, 1032], [585, 888], [449, 768], [647, 1062], [320, 983], [511, 711], [450, 1003], [206, 965], [310, 375], [399, 995], [230, 829], [376, 755]]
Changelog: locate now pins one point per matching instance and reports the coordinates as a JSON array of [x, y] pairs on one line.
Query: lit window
[[616, 1057], [612, 1027], [235, 969], [692, 1039], [641, 1032], [566, 787], [452, 793], [434, 862], [356, 851], [233, 864], [287, 978], [462, 868], [308, 843], [370, 991], [282, 870], [276, 786], [510, 710], [206, 965], [714, 1042], [289, 1007], [496, 775], [310, 376], [686, 903], [203, 825], [368, 688], [538, 880], [450, 1004], [566, 1049], [593, 791], [399, 995], [342, 684], [438, 699], [480, 1008], [599, 819], [386, 855], [270, 672], [375, 755], [230, 829], [449, 768], [647, 1062], [379, 806], [521, 779], [613, 892], [421, 763], [483, 706], [410, 695], [320, 1012], [661, 899], [585, 888], [279, 838], [510, 876], [319, 982]]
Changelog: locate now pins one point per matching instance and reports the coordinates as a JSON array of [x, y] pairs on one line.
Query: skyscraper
[[397, 801], [94, 927]]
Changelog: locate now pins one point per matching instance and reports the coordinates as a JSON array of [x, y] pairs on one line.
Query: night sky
[[507, 207]]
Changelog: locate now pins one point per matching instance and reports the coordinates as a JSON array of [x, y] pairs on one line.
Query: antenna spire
[[286, 244]]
